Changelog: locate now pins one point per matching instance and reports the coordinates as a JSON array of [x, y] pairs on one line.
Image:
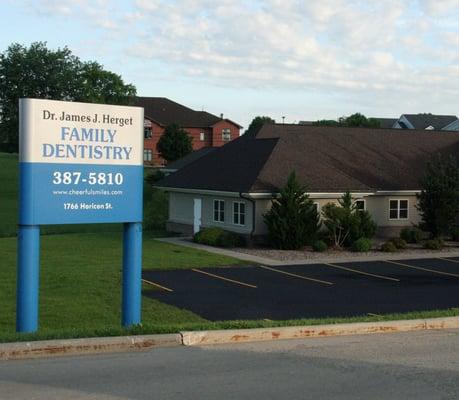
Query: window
[[147, 134], [360, 205], [147, 155], [398, 209], [202, 136], [219, 210], [238, 213], [226, 134]]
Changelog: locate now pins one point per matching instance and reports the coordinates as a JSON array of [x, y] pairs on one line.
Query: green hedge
[[361, 245], [218, 237]]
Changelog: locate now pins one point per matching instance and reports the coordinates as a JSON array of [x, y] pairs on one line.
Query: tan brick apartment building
[[207, 130]]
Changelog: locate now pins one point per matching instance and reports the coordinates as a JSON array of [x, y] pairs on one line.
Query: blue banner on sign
[[52, 193]]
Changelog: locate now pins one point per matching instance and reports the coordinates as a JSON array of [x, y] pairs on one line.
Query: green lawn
[[80, 277], [80, 287]]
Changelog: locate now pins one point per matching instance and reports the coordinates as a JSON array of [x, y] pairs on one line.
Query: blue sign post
[[79, 163]]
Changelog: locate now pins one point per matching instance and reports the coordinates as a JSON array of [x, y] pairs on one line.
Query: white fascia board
[[396, 192], [267, 195], [336, 195], [198, 191]]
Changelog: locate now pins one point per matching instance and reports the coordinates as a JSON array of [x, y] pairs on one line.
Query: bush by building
[[319, 246], [433, 244], [346, 224], [399, 243], [411, 235], [388, 247], [218, 237], [361, 245]]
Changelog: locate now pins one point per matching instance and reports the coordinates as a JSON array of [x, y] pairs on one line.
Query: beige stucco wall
[[377, 206], [181, 209]]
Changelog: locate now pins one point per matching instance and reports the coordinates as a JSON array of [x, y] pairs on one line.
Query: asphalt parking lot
[[308, 291]]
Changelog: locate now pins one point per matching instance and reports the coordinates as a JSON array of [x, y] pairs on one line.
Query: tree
[[293, 220], [354, 120], [346, 224], [42, 73], [256, 125], [359, 120], [175, 143], [101, 86], [438, 202]]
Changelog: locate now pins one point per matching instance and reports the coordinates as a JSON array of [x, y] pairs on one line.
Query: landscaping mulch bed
[[307, 254]]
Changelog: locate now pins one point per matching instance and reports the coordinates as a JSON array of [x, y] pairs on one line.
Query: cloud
[[370, 48]]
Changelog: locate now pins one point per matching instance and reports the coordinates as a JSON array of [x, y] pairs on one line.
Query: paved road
[[421, 366], [310, 291]]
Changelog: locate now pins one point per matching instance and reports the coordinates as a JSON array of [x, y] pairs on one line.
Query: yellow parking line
[[295, 275], [157, 285], [422, 268], [362, 273], [448, 259], [225, 279]]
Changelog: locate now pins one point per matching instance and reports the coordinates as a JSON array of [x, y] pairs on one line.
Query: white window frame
[[398, 210], [226, 134], [147, 129], [219, 211], [364, 204], [239, 213], [202, 136], [147, 155]]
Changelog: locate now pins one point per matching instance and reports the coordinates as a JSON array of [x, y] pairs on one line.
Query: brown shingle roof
[[165, 112], [326, 159], [423, 121]]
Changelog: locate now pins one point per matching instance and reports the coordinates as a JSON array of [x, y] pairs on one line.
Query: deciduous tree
[[39, 72]]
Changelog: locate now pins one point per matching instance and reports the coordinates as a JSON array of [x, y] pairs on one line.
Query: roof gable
[[165, 112], [424, 121]]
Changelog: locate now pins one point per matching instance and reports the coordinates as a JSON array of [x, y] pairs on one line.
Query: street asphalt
[[309, 291], [415, 365]]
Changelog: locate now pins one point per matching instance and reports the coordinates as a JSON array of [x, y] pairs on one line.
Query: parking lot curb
[[65, 347], [201, 338], [68, 347]]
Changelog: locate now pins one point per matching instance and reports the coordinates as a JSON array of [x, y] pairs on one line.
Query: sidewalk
[[186, 241]]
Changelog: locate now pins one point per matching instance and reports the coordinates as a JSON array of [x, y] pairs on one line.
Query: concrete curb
[[56, 348], [202, 338], [181, 241], [53, 348]]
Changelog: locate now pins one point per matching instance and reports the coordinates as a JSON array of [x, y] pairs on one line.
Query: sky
[[304, 60]]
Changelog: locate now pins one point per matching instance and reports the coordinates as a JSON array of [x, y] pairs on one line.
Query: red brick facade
[[217, 135]]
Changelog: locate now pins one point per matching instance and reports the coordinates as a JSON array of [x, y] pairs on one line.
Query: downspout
[[241, 195]]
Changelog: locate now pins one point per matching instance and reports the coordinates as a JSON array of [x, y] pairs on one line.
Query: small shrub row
[[361, 245], [319, 246], [433, 244], [399, 243], [389, 247], [411, 235], [218, 237]]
